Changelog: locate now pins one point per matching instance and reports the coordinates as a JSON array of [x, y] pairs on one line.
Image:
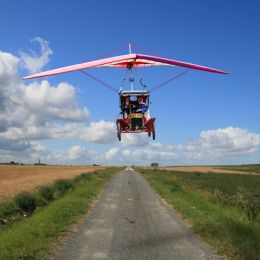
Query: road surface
[[129, 221]]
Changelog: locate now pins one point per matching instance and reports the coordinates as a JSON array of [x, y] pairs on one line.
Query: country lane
[[130, 221]]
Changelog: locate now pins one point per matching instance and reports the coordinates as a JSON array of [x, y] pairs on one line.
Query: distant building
[[154, 164]]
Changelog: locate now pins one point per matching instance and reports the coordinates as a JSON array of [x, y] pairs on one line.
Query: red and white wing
[[125, 61]]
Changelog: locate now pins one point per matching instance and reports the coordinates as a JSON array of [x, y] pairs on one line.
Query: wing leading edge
[[125, 61]]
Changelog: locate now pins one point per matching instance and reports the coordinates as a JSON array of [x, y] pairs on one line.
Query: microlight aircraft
[[134, 103]]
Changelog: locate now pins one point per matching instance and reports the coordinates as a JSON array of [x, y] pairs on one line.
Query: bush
[[46, 193], [62, 185], [25, 201], [82, 177], [219, 196], [250, 203], [7, 209]]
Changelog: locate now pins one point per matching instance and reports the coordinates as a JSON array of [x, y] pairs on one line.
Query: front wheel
[[153, 132]]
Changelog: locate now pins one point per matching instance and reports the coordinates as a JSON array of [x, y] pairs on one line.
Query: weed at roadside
[[25, 201]]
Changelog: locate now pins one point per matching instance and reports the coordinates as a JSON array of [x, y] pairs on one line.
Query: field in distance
[[232, 169], [17, 178]]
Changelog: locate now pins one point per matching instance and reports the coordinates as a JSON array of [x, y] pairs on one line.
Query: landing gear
[[153, 131], [118, 131], [153, 135]]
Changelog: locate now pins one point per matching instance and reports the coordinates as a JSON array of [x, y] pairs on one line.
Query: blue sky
[[201, 118]]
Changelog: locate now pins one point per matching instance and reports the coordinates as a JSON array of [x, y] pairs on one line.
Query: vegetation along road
[[129, 221]]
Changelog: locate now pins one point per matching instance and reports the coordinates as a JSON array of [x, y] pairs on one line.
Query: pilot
[[126, 108]]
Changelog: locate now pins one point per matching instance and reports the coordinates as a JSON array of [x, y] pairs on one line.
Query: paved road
[[129, 221]]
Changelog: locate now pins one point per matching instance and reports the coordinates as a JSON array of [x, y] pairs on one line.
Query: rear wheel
[[119, 136], [149, 134]]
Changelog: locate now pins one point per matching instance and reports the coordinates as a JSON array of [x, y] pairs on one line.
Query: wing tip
[[224, 72]]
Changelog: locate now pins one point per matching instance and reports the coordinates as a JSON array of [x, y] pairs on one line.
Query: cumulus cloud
[[76, 152], [35, 111], [33, 61], [101, 132], [112, 153], [135, 140], [213, 146], [230, 141], [8, 76]]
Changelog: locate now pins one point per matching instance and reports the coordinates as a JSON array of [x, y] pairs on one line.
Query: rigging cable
[[100, 81], [169, 80], [124, 79]]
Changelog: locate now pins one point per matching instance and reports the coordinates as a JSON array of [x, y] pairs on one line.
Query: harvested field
[[213, 169], [17, 178]]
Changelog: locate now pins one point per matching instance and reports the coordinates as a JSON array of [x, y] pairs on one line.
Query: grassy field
[[17, 178], [216, 206], [35, 236]]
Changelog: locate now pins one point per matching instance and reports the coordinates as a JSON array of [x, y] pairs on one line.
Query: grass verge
[[33, 237], [221, 224]]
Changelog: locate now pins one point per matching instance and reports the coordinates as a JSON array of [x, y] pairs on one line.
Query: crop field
[[33, 224], [238, 169], [17, 178], [246, 168], [224, 209]]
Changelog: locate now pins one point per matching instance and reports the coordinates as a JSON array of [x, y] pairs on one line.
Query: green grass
[[220, 223], [34, 237]]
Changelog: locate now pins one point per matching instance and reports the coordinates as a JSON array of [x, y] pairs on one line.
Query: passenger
[[133, 104], [142, 106]]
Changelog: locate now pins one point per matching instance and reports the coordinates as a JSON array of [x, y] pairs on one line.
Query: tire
[[153, 131], [118, 132], [149, 134], [153, 134], [119, 136]]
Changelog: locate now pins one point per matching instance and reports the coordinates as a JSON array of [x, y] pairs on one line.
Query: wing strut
[[169, 80], [100, 81]]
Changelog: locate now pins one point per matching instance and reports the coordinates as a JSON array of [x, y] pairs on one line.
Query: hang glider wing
[[125, 61]]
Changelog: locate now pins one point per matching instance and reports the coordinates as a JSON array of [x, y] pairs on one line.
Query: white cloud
[[8, 69], [101, 132], [111, 153], [230, 141], [140, 139], [76, 152], [126, 153], [213, 146], [34, 62], [36, 110]]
